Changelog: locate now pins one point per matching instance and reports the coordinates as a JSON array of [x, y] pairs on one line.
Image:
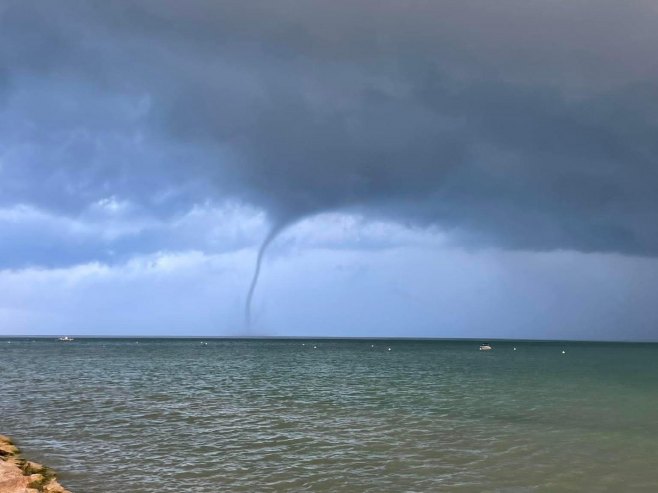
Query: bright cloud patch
[[410, 290]]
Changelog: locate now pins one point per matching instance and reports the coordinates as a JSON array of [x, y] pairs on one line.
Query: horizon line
[[336, 338]]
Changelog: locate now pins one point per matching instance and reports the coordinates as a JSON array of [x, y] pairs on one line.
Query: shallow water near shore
[[173, 415]]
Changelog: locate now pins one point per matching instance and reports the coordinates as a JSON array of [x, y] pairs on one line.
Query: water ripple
[[277, 416]]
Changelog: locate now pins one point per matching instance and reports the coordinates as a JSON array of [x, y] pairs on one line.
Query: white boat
[[485, 347], [66, 339]]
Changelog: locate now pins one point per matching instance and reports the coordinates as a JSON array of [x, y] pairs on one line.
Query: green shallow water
[[167, 415]]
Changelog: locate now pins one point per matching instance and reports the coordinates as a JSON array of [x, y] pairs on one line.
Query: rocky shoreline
[[18, 475]]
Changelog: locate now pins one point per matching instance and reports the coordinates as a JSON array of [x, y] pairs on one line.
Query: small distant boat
[[66, 339], [485, 347]]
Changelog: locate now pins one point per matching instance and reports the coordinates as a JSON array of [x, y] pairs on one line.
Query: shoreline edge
[[19, 475]]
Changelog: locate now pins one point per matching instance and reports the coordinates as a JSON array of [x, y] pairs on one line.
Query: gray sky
[[437, 168]]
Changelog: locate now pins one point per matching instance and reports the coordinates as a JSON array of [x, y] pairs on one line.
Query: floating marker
[[389, 349], [563, 352], [514, 349]]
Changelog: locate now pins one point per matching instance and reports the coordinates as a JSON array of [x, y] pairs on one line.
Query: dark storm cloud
[[521, 124]]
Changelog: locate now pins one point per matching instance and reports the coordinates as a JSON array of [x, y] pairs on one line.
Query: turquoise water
[[165, 415]]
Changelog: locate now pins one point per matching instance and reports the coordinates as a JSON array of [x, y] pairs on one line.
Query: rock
[[7, 449], [36, 480], [12, 479], [18, 475], [33, 467], [54, 487]]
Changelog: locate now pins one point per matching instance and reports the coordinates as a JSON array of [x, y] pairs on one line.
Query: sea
[[326, 415]]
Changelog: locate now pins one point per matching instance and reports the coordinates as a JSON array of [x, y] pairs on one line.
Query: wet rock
[[18, 475], [8, 449]]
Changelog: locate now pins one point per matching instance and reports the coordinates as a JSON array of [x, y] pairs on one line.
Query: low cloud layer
[[526, 125], [417, 290]]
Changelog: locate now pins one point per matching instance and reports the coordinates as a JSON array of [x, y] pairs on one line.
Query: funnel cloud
[[514, 125], [271, 236]]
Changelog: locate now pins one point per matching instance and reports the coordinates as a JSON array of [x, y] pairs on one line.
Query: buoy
[[514, 349], [315, 347], [563, 352], [389, 349]]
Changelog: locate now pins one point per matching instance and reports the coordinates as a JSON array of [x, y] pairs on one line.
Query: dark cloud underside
[[521, 124]]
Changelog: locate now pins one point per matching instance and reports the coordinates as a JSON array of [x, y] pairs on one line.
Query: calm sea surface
[[163, 415]]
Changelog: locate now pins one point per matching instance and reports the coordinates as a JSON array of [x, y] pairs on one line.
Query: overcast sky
[[423, 168]]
